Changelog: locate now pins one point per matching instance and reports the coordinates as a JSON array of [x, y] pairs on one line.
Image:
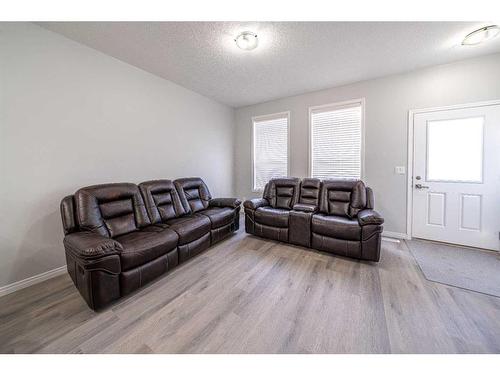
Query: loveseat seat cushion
[[336, 226], [274, 217], [146, 244], [219, 216], [190, 227]]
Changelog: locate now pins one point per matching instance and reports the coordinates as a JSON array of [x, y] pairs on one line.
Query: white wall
[[71, 116], [388, 101]]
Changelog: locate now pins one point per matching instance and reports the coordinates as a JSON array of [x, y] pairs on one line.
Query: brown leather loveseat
[[118, 237], [331, 215]]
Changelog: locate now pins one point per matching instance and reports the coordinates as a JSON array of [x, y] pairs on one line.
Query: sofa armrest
[[369, 217], [304, 207], [88, 245], [255, 203], [224, 202]]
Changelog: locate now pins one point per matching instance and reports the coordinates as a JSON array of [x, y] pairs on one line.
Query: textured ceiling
[[292, 57]]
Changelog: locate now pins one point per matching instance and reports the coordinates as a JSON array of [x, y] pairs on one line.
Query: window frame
[[272, 116], [334, 106]]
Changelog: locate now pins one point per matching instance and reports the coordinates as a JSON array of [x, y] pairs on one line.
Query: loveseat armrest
[[89, 245], [225, 202], [255, 203], [369, 217], [304, 207]]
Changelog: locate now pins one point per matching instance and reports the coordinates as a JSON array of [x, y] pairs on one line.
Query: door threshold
[[455, 245]]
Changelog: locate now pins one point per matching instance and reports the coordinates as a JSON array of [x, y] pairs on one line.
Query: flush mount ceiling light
[[481, 35], [247, 41]]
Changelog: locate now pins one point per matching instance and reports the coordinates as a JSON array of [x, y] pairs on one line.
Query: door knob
[[420, 186]]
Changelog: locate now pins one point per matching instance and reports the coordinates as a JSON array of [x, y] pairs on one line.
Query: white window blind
[[270, 149], [336, 141]]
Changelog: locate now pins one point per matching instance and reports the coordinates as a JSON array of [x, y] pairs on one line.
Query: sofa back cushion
[[162, 200], [111, 209], [282, 192], [342, 197], [309, 191], [193, 193]]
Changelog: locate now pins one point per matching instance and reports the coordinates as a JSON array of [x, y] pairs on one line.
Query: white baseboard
[[21, 284], [395, 235]]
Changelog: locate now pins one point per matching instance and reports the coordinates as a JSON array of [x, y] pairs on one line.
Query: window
[[455, 150], [336, 140], [270, 148]]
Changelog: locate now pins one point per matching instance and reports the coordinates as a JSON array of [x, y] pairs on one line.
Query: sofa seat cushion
[[190, 227], [219, 216], [145, 245], [274, 217], [336, 226]]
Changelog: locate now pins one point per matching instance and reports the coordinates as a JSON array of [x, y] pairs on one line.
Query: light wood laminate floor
[[251, 295]]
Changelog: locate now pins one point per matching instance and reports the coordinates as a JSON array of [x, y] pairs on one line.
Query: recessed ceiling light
[[481, 35], [247, 41]]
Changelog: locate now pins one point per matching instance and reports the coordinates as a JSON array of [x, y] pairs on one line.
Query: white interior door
[[456, 176]]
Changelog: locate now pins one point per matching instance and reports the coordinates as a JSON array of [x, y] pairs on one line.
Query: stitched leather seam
[[103, 270]]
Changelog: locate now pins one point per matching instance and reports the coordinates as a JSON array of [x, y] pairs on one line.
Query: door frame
[[411, 147]]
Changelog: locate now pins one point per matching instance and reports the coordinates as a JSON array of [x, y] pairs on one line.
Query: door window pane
[[455, 150]]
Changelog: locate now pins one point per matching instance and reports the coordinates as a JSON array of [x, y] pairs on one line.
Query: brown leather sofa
[[334, 215], [118, 237]]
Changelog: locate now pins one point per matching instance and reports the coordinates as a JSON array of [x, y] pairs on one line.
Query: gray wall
[[388, 101], [71, 116]]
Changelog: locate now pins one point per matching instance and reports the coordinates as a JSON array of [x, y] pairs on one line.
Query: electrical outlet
[[399, 170]]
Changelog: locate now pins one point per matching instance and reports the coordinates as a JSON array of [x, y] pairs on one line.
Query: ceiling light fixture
[[481, 35], [247, 41]]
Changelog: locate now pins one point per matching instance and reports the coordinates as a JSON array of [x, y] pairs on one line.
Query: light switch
[[400, 170]]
